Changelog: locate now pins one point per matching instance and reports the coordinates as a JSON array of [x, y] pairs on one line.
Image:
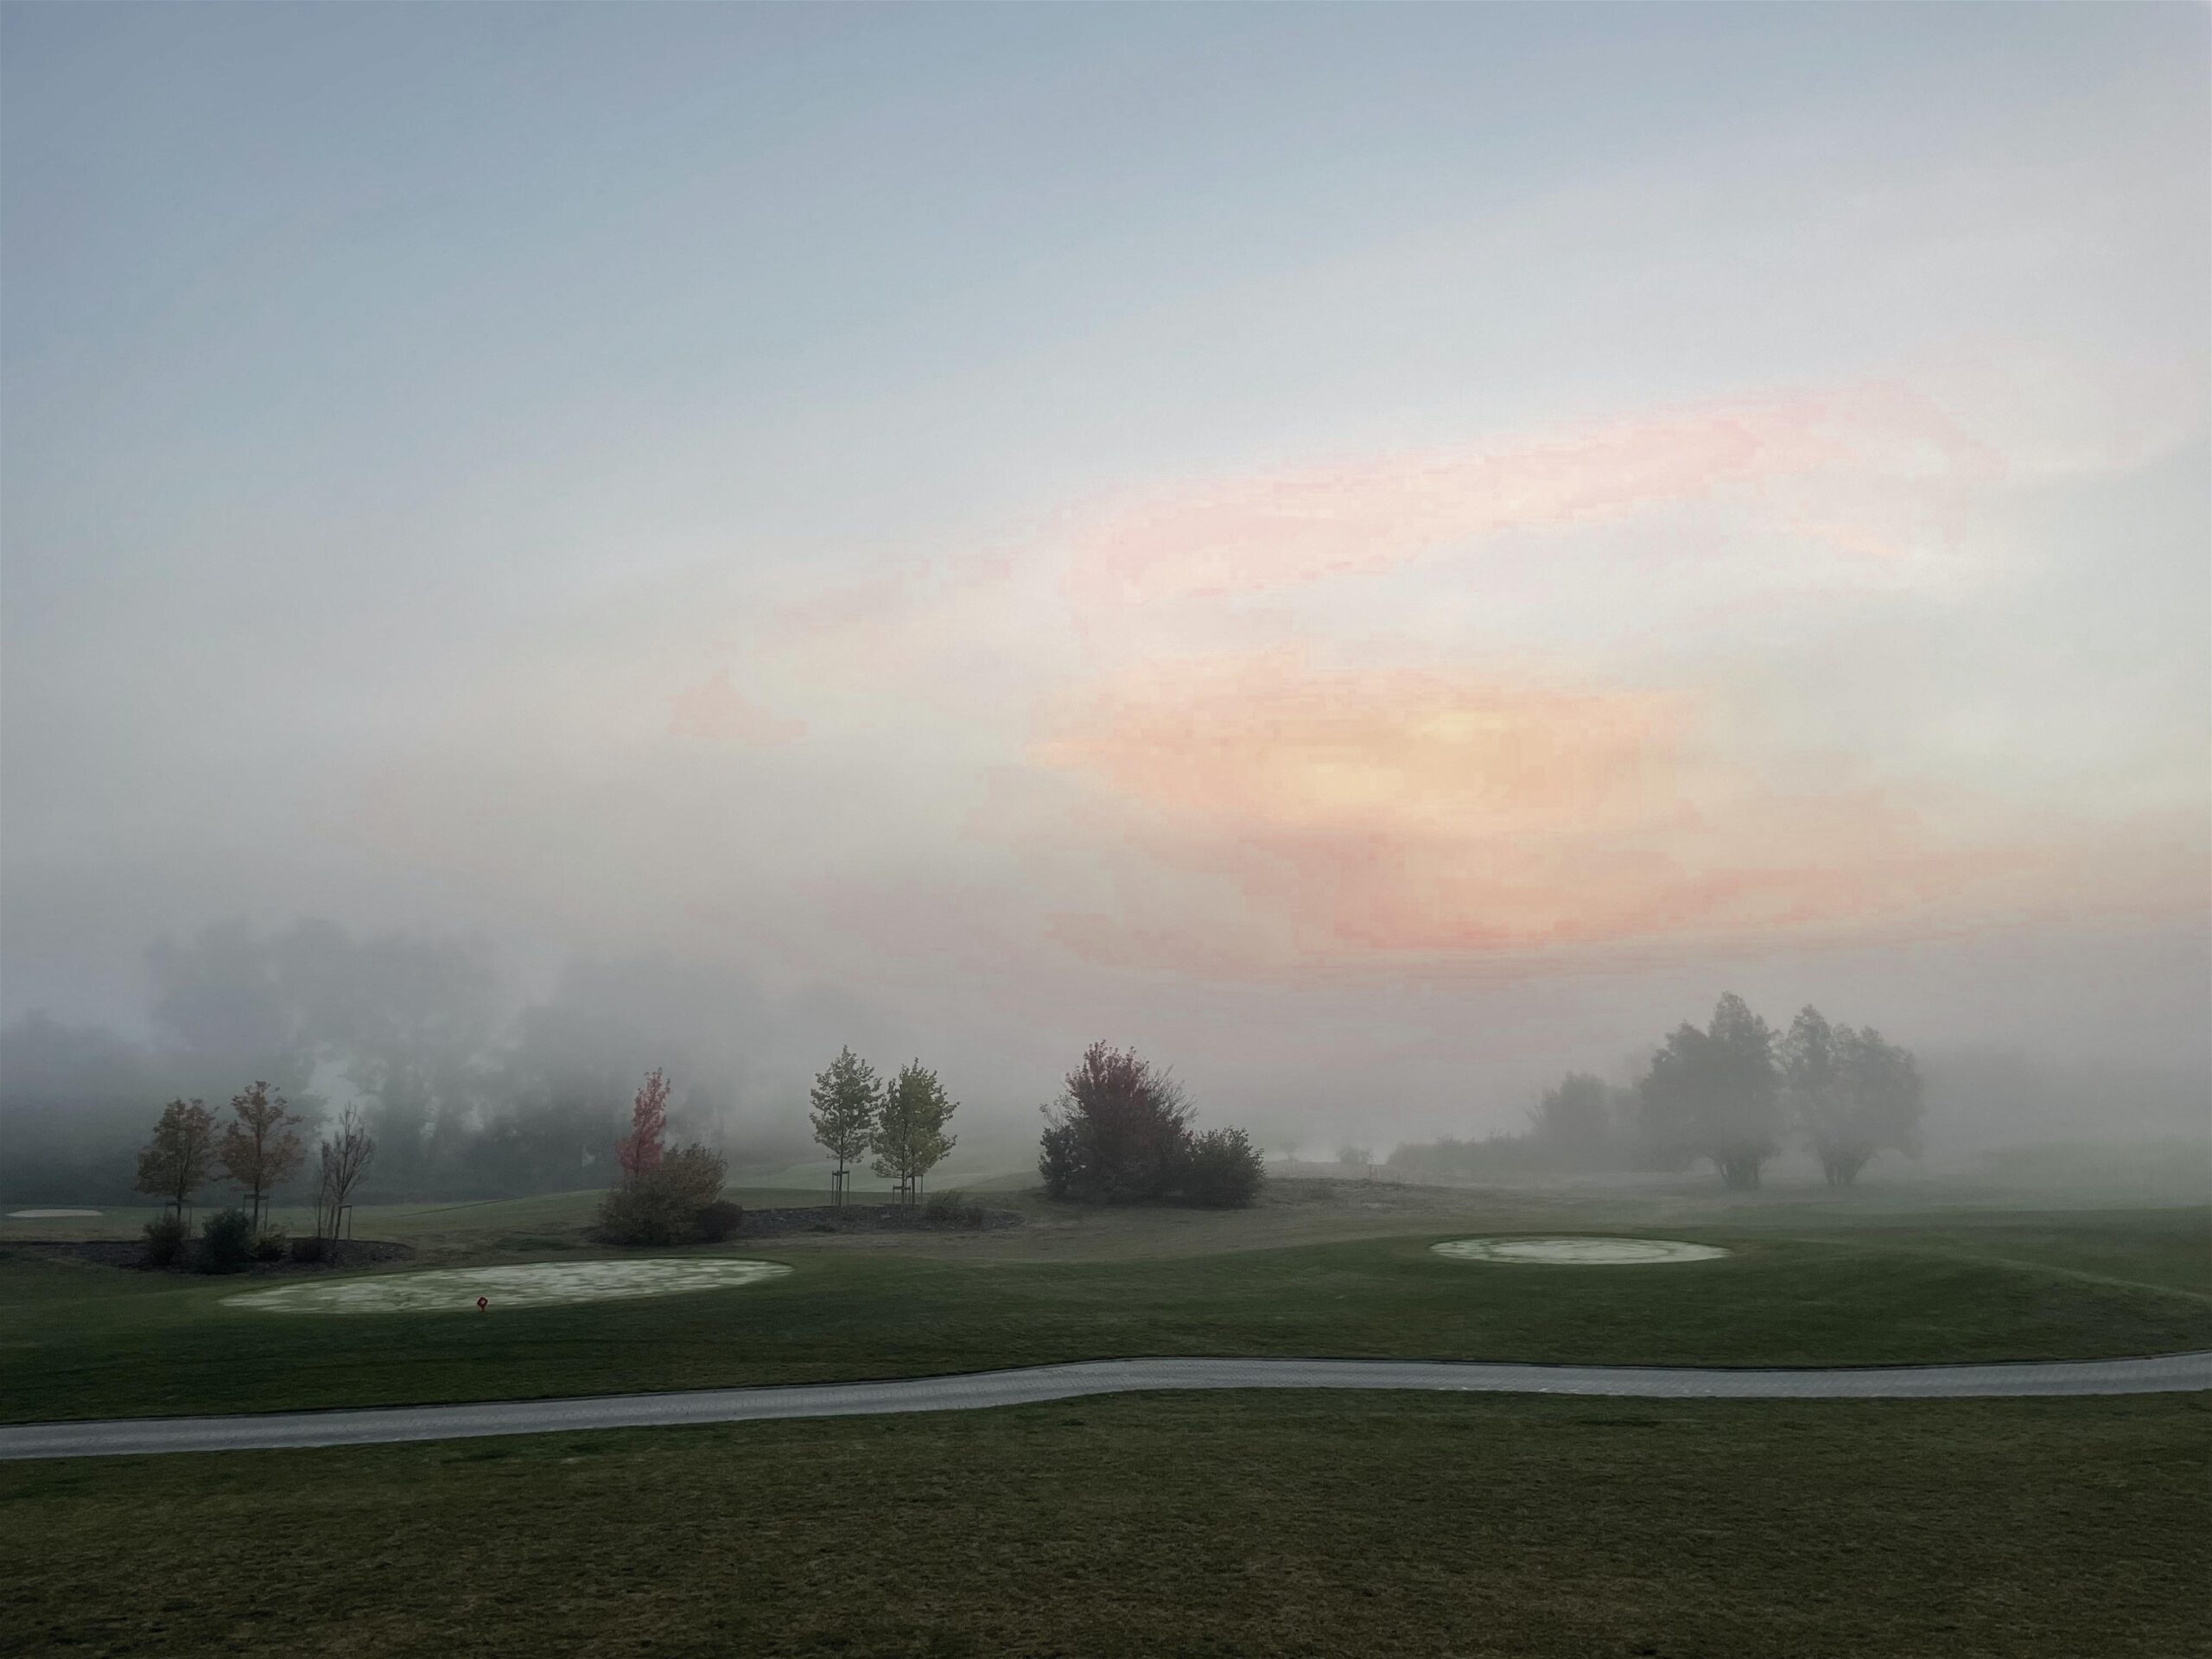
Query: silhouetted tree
[[176, 1163], [1117, 1133], [345, 1156], [1716, 1093], [846, 1099], [1852, 1093], [1573, 1124], [261, 1148]]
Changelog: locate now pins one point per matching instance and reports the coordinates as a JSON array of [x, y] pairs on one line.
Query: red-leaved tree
[[639, 1151]]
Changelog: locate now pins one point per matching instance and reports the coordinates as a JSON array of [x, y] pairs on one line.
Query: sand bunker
[[47, 1215], [1578, 1252], [455, 1289]]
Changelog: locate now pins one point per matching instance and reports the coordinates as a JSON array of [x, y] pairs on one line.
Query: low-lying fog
[[477, 1082]]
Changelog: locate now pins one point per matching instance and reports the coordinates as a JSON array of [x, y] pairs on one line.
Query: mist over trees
[[1733, 1093], [1717, 1094], [472, 1090], [466, 1094], [1852, 1094]]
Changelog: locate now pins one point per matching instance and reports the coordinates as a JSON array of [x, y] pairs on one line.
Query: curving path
[[120, 1437]]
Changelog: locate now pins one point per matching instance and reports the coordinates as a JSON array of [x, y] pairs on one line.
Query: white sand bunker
[[47, 1215], [1578, 1252], [455, 1289]]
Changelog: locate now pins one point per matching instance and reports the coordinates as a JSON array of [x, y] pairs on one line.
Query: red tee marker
[[483, 1302]]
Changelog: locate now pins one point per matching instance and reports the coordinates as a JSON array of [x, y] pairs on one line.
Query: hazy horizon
[[1374, 555]]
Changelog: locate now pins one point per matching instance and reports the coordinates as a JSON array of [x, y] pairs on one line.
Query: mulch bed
[[865, 1218], [128, 1252]]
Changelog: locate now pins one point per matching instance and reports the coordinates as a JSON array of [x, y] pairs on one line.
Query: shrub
[[1118, 1132], [1060, 1160], [666, 1204], [1121, 1133], [226, 1242], [1223, 1169], [270, 1246], [719, 1220], [952, 1209], [164, 1241], [313, 1247]]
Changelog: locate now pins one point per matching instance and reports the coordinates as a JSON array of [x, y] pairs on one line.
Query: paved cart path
[[118, 1437]]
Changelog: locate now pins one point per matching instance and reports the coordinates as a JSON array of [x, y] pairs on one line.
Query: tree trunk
[[1740, 1172], [1841, 1167]]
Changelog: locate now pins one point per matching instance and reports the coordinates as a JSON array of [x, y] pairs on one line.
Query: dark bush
[[719, 1219], [311, 1247], [226, 1242], [1223, 1169], [164, 1242], [270, 1246], [1060, 1160], [1116, 1135], [663, 1205], [952, 1209], [1122, 1133]]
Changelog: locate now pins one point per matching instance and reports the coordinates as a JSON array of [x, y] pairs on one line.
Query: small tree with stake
[[344, 1159], [261, 1148], [909, 1138], [846, 1097], [174, 1164]]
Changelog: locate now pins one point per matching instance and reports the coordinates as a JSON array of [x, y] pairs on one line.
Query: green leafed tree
[[909, 1138], [1717, 1094], [177, 1162], [846, 1098]]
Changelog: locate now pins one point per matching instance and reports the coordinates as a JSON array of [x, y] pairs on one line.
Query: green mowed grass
[[1250, 1525], [82, 1341]]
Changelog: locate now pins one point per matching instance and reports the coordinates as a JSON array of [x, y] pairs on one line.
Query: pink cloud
[[1300, 525], [714, 709], [1265, 809]]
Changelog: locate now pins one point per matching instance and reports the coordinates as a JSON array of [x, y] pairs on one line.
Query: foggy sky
[[1376, 554]]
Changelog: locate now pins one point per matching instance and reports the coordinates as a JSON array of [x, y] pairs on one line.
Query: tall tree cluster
[[1735, 1090], [1852, 1094], [259, 1149]]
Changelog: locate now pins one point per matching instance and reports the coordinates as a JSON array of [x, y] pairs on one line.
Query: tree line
[[1733, 1092], [258, 1150], [1120, 1132]]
